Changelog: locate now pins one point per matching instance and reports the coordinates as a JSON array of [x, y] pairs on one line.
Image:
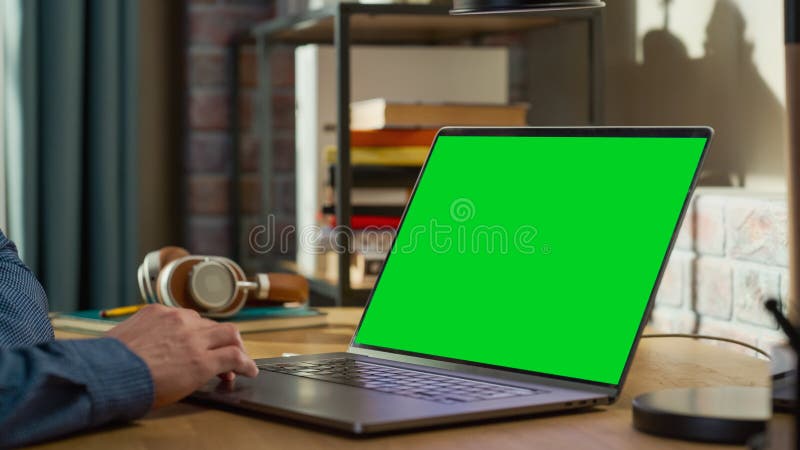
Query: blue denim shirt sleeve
[[50, 388]]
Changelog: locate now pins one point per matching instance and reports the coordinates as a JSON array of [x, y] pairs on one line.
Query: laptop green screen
[[532, 253]]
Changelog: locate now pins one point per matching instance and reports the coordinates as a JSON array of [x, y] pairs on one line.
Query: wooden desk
[[659, 364]]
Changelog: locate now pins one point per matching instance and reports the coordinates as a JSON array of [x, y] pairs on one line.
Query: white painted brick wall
[[731, 255]]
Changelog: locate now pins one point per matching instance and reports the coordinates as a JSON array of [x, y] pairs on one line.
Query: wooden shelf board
[[409, 29], [402, 24]]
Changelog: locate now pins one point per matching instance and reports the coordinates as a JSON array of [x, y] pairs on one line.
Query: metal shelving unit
[[346, 24]]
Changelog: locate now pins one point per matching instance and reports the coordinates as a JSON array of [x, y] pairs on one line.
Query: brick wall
[[730, 256], [207, 162]]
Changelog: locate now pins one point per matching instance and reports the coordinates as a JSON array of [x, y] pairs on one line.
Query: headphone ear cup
[[181, 280], [240, 297], [158, 267]]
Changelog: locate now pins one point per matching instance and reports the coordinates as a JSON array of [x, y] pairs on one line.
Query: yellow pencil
[[121, 311]]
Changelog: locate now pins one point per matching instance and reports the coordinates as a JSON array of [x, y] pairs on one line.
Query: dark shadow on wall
[[722, 89]]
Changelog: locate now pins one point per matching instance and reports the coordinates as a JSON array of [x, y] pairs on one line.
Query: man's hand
[[183, 350]]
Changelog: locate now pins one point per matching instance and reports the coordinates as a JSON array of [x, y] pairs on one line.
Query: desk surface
[[659, 364]]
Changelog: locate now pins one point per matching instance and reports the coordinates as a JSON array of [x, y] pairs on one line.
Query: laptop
[[519, 281]]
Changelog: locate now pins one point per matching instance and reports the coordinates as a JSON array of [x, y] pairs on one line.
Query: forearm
[[60, 387]]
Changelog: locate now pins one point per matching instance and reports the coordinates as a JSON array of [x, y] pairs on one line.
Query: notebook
[[248, 320]]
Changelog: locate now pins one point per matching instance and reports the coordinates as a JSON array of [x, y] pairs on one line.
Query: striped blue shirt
[[50, 388]]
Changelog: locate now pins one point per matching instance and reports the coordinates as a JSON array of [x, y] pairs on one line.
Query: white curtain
[[11, 132], [3, 16]]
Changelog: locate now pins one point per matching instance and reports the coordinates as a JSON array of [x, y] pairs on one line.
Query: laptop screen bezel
[[621, 132]]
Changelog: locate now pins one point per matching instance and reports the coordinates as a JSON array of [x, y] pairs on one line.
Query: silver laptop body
[[368, 390]]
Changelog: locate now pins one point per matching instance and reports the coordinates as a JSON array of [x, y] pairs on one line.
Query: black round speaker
[[511, 6], [727, 414]]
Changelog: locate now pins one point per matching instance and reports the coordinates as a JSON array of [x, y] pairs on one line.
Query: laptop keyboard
[[394, 380]]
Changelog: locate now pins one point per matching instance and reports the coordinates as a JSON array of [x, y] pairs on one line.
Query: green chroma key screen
[[533, 253]]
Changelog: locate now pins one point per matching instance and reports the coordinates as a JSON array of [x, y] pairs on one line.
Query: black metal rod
[[596, 69], [264, 124], [341, 39], [234, 129]]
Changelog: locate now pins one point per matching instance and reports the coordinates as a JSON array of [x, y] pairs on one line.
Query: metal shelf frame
[[335, 25]]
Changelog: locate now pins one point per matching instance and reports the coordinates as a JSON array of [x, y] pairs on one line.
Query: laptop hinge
[[610, 391]]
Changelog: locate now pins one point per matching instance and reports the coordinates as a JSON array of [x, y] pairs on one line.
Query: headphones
[[214, 286]]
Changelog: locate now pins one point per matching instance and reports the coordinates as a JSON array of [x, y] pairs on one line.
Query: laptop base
[[360, 411]]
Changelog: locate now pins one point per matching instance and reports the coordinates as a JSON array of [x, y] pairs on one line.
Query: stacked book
[[385, 166], [389, 143], [387, 155]]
